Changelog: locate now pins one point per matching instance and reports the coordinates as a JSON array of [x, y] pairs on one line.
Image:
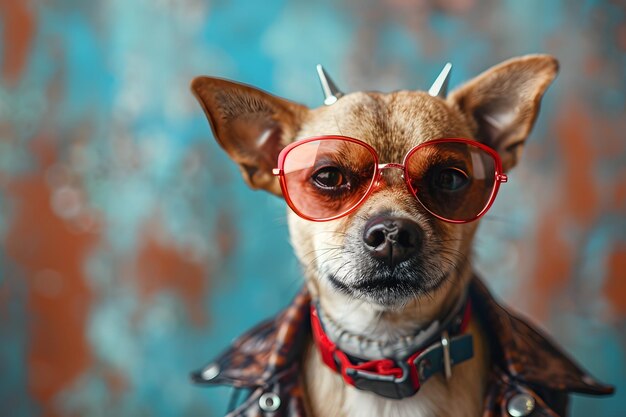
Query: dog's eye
[[328, 178], [450, 179]]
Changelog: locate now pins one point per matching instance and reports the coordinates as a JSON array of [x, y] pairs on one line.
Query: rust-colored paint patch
[[51, 257], [163, 266], [116, 381], [619, 192], [592, 65], [225, 234], [621, 36], [575, 134], [615, 284], [576, 203], [552, 266], [18, 22], [4, 298]]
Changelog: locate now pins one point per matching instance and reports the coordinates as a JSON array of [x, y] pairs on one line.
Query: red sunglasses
[[328, 177]]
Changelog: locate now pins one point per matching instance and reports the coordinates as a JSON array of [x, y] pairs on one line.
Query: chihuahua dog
[[386, 192]]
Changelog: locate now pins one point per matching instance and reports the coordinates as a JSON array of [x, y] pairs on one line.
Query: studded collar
[[530, 374]]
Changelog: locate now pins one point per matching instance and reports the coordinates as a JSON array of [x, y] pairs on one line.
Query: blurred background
[[131, 252]]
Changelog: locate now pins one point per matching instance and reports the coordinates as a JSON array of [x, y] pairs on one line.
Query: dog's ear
[[252, 126], [503, 102]]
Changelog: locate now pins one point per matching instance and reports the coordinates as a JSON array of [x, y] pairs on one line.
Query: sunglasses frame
[[500, 176]]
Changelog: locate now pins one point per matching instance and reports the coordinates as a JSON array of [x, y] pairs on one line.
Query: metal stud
[[269, 402], [520, 405], [447, 362], [331, 92], [440, 86], [210, 372]]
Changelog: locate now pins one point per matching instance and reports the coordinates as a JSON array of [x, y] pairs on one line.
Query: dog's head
[[390, 251]]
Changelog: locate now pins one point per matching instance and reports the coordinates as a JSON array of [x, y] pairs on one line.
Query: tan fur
[[498, 108]]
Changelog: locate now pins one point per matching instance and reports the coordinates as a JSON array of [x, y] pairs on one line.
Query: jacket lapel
[[264, 351], [526, 353]]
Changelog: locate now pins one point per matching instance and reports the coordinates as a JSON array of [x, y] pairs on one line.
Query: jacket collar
[[526, 353], [264, 351], [523, 353]]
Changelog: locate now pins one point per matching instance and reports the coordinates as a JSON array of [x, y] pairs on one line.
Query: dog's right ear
[[252, 126]]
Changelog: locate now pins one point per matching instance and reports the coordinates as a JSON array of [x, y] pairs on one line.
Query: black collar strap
[[400, 377]]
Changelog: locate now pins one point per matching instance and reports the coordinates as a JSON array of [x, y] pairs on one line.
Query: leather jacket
[[530, 375]]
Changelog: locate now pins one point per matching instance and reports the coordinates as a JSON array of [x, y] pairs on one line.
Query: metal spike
[[440, 86], [331, 92]]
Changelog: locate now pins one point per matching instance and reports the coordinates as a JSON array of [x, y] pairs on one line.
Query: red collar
[[399, 377]]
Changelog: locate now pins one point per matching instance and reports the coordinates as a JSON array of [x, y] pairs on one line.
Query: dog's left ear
[[503, 102], [251, 125]]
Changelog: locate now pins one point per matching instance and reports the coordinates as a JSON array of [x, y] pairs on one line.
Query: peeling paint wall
[[131, 252]]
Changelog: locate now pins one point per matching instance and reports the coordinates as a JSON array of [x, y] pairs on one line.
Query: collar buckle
[[385, 377]]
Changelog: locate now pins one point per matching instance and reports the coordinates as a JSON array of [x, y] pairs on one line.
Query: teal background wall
[[131, 251]]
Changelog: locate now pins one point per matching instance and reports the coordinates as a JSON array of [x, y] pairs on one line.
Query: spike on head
[[331, 92], [440, 86]]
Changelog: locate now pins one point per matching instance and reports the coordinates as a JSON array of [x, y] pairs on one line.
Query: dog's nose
[[392, 239]]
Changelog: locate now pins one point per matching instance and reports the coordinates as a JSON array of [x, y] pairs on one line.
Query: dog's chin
[[390, 290]]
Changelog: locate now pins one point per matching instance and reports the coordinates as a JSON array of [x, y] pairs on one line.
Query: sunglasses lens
[[327, 178], [453, 180]]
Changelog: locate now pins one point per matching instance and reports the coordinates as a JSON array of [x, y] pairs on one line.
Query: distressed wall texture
[[131, 251]]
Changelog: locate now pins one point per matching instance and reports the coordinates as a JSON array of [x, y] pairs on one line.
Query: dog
[[386, 192]]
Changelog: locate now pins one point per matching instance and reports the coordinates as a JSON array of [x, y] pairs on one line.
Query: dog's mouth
[[391, 288]]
